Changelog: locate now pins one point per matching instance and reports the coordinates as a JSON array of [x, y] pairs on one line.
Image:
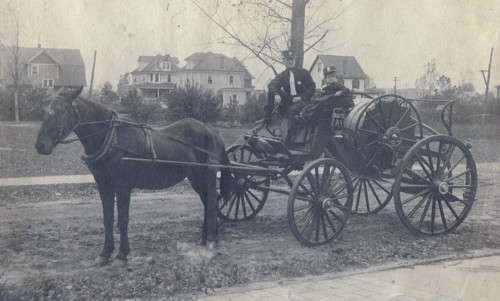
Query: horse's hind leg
[[108, 202], [123, 205], [205, 185]]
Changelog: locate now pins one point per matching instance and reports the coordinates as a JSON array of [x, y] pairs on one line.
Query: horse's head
[[60, 119]]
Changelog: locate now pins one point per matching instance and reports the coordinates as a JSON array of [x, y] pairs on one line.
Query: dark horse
[[108, 137]]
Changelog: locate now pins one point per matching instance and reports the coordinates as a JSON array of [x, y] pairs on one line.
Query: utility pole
[[395, 85], [487, 78], [92, 76]]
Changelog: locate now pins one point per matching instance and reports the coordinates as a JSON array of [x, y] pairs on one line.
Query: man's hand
[[277, 99], [339, 93], [296, 99]]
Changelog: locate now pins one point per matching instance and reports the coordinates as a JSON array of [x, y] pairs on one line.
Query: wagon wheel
[[386, 128], [248, 193], [320, 202], [436, 185], [371, 194]]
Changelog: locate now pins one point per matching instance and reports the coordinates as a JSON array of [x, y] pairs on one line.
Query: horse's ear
[[70, 93], [76, 92]]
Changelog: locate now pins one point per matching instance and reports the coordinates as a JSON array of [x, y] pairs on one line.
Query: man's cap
[[329, 69], [288, 54]]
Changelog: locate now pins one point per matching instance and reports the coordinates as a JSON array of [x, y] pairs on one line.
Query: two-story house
[[155, 75], [349, 72], [226, 77], [45, 67]]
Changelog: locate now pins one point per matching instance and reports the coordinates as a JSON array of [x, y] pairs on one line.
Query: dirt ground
[[51, 235]]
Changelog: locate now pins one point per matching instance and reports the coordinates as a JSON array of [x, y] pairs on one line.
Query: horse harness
[[111, 142]]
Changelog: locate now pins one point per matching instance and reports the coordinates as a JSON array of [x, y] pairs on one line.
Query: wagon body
[[385, 152]]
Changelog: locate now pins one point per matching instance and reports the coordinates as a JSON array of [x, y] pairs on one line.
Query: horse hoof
[[202, 242], [119, 263], [212, 245], [101, 261]]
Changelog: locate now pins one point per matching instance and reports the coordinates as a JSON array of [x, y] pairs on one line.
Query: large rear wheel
[[436, 185]]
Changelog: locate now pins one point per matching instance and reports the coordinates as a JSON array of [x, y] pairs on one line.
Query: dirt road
[[49, 241]]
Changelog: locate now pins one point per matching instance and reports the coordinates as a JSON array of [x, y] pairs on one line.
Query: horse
[[109, 137]]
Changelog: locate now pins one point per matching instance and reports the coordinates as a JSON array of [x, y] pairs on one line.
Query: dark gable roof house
[[48, 67], [349, 71]]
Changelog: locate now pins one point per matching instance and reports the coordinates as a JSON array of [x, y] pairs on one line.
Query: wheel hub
[[443, 188], [327, 203], [393, 136]]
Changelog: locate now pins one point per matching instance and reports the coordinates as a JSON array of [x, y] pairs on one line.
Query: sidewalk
[[472, 279]]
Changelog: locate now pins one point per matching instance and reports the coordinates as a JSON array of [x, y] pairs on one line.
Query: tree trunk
[[297, 29], [16, 105]]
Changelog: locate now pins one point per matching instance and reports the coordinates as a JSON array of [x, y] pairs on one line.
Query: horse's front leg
[[108, 202], [123, 205]]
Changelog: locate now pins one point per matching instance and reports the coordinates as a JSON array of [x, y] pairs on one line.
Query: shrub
[[191, 101], [253, 109]]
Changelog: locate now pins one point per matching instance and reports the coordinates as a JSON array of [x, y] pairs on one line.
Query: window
[[355, 83], [210, 79], [169, 78], [154, 77], [168, 65], [319, 67], [164, 65], [48, 83], [34, 70], [231, 79]]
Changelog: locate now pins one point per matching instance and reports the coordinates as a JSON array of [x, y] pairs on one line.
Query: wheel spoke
[[449, 206], [441, 211], [330, 222], [375, 193], [382, 187], [427, 205], [415, 196], [312, 181], [249, 201], [414, 210]]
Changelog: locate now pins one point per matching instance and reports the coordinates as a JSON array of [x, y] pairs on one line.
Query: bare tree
[[429, 79], [265, 28], [15, 67]]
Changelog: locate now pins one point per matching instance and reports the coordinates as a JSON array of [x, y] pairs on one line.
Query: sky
[[389, 38]]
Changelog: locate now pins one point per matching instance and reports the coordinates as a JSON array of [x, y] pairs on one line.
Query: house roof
[[154, 63], [209, 61], [72, 72], [158, 58], [347, 66]]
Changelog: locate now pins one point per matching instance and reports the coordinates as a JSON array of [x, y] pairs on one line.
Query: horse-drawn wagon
[[384, 152]]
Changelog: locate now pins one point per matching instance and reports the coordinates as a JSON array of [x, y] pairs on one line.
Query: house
[[45, 67], [154, 77], [226, 77], [349, 72]]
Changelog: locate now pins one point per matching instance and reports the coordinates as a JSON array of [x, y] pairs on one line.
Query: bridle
[[62, 137]]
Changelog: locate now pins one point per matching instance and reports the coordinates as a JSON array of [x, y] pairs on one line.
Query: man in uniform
[[293, 88]]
